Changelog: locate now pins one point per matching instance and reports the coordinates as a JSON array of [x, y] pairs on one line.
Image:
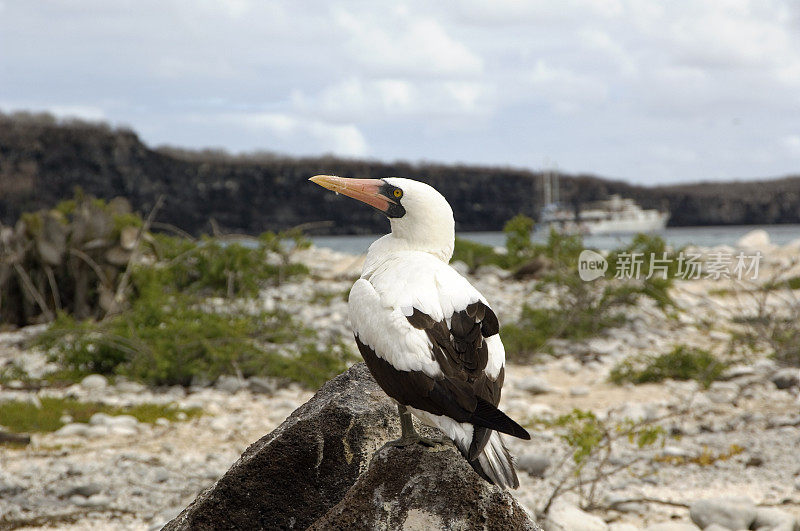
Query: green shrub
[[169, 341], [789, 283], [212, 267], [682, 363], [476, 254], [591, 442], [520, 248], [581, 309], [537, 325], [23, 416], [657, 286], [170, 333]]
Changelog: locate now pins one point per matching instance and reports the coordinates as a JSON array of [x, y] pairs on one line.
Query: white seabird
[[429, 338]]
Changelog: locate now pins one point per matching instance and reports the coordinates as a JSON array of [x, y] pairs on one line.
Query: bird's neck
[[387, 247]]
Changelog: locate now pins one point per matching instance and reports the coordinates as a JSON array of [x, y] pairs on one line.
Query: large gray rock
[[292, 476], [306, 471], [424, 488], [733, 513]]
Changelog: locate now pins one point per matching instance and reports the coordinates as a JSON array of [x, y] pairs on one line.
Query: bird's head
[[419, 215]]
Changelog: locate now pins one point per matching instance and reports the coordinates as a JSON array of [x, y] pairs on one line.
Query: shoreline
[[141, 476]]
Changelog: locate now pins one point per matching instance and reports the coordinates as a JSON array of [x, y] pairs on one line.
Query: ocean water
[[675, 236]]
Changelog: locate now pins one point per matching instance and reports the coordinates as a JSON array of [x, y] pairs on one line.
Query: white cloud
[[563, 88], [730, 36], [792, 144], [371, 100], [503, 12], [87, 112], [313, 135], [65, 111], [402, 44]]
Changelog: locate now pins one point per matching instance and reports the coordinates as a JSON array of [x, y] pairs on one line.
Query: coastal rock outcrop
[[320, 467], [292, 476], [424, 488]]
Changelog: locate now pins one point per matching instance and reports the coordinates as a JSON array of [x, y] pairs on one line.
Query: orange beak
[[365, 190]]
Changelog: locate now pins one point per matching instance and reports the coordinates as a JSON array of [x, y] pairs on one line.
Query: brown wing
[[464, 392], [440, 396]]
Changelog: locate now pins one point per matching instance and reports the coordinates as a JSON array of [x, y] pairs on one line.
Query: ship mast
[[552, 193]]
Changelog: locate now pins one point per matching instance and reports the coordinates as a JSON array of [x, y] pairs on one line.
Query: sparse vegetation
[[591, 442], [26, 416], [705, 458], [166, 324], [173, 338], [681, 363], [770, 321], [519, 247], [476, 254], [537, 325], [577, 309]]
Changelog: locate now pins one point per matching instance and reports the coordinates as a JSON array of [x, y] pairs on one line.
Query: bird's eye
[[398, 193]]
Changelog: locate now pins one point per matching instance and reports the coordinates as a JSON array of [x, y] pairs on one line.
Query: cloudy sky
[[651, 92]]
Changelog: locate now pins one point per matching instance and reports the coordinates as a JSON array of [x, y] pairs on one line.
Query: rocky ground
[[117, 473]]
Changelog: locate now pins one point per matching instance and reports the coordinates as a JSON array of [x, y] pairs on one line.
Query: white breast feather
[[380, 304], [387, 331]]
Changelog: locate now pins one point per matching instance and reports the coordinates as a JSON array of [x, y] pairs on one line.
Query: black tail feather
[[487, 415]]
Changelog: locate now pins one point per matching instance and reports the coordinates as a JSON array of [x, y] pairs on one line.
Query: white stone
[[675, 451], [765, 366], [534, 464], [786, 378], [74, 429], [579, 391], [535, 385], [230, 384], [672, 526], [130, 387], [100, 419], [755, 239], [737, 371], [570, 366], [128, 421], [639, 412], [97, 431], [94, 382], [732, 512], [564, 516], [96, 500], [774, 519], [619, 526], [125, 431], [540, 411], [160, 475], [722, 392]]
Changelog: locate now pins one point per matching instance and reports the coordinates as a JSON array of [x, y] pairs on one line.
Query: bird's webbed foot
[[409, 435]]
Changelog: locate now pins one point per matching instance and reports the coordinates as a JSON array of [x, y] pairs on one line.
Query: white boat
[[615, 215]]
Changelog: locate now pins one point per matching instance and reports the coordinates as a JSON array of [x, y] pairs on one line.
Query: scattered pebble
[[94, 382]]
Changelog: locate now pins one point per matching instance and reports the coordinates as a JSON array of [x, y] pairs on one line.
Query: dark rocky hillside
[[43, 160]]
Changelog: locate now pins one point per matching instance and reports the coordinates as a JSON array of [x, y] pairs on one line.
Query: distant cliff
[[43, 160]]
